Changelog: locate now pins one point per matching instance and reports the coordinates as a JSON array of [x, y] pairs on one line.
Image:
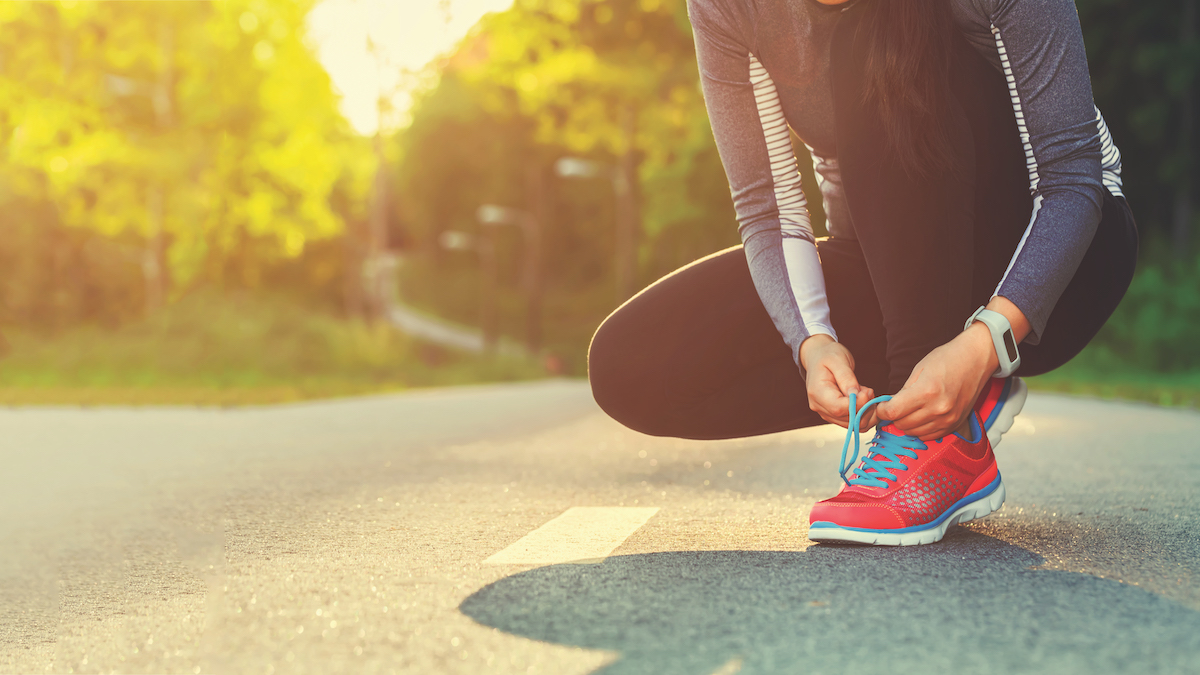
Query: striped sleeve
[[1070, 156], [755, 146], [790, 204]]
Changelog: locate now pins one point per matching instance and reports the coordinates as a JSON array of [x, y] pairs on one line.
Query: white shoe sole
[[1008, 412], [979, 508]]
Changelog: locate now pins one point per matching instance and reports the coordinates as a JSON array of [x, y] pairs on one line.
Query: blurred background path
[[439, 531]]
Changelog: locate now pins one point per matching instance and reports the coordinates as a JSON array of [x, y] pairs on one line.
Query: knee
[[622, 386], [607, 370]]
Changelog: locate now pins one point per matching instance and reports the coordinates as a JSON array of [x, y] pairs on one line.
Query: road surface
[[516, 529]]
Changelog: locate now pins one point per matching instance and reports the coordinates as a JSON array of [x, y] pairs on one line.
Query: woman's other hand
[[830, 368]]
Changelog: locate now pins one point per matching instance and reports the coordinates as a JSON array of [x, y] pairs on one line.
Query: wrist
[[1016, 318], [810, 348], [981, 345]]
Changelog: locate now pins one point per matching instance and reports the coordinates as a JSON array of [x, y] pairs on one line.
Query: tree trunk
[[153, 271], [486, 247], [625, 183], [154, 268], [355, 253], [536, 187], [377, 237]]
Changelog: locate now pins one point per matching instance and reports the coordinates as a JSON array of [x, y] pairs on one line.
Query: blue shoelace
[[885, 451]]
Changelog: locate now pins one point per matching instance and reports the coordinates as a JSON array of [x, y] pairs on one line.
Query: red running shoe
[[907, 492], [998, 405]]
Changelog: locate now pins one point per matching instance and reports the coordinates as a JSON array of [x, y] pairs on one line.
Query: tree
[[614, 79], [1145, 63], [208, 131]]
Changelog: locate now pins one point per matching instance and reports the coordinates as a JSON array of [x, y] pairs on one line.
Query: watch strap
[[1002, 339]]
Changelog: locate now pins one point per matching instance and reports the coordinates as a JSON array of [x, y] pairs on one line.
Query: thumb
[[900, 406]]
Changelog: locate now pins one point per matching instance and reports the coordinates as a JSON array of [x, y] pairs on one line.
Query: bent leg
[[695, 355]]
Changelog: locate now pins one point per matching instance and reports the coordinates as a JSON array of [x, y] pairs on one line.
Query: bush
[[208, 343], [1157, 325]]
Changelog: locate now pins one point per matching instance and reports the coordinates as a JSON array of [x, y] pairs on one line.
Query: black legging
[[695, 354]]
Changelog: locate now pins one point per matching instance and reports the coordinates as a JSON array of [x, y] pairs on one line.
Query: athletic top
[[764, 67]]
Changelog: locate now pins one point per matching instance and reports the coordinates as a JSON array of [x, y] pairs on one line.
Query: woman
[[963, 165]]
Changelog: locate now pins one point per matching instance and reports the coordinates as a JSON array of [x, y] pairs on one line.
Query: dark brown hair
[[909, 45]]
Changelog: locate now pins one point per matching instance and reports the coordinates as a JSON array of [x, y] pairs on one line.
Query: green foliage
[[1157, 325], [1142, 72], [209, 346], [456, 155], [1149, 350], [54, 276], [203, 137], [1147, 386], [598, 78], [549, 79]]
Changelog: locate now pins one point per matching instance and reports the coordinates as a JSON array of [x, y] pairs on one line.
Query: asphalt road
[[351, 537]]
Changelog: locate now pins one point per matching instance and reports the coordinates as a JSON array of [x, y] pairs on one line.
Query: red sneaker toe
[[873, 516]]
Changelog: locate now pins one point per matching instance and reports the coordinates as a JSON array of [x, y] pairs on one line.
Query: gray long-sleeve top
[[764, 67]]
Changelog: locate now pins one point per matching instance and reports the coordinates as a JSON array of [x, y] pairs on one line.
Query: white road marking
[[582, 534]]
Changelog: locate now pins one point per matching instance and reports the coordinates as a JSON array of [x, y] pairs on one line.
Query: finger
[[904, 403], [931, 432], [917, 423], [825, 415], [936, 427], [926, 416], [846, 381], [846, 384], [940, 426], [845, 424], [827, 399], [869, 420]]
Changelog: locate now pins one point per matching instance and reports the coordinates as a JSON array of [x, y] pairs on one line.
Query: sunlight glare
[[407, 35]]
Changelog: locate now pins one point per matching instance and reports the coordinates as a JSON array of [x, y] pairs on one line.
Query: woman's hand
[[943, 387], [831, 379]]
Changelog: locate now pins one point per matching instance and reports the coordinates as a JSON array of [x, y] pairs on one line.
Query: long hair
[[909, 45]]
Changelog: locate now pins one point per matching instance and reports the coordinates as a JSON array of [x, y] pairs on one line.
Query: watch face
[[1010, 345]]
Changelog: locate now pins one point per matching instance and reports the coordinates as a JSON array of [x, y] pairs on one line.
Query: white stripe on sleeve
[[789, 194], [1110, 159], [1030, 160], [803, 266]]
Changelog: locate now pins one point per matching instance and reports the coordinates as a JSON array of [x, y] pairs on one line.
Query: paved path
[[395, 534], [427, 327]]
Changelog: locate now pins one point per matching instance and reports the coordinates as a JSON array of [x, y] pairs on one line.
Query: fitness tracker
[[1002, 338]]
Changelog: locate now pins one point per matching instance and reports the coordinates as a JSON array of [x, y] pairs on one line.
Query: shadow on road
[[968, 605]]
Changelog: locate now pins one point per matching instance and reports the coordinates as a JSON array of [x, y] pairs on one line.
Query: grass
[[1098, 372], [229, 350], [220, 350]]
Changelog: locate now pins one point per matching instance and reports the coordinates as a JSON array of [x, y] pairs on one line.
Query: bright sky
[[407, 34]]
